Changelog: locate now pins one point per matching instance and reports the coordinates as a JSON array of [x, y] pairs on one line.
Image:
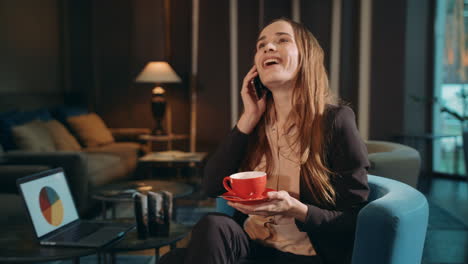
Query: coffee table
[[131, 242], [122, 192], [18, 245]]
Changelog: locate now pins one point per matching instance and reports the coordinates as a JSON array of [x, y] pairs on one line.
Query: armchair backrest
[[391, 229], [394, 161]]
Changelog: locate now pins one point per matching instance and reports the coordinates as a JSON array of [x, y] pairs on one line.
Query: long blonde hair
[[310, 97]]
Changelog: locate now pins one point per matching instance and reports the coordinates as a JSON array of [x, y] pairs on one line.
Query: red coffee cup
[[248, 184]]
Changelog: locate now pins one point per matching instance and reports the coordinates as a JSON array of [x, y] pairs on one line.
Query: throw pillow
[[33, 136], [91, 130], [62, 138]]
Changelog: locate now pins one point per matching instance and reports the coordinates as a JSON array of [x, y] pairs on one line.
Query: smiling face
[[277, 54]]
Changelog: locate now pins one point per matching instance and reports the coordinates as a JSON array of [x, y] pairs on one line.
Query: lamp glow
[[158, 72]]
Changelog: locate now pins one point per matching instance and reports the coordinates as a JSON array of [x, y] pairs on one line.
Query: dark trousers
[[218, 239]]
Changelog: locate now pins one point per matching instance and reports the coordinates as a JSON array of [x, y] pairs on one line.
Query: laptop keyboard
[[76, 232]]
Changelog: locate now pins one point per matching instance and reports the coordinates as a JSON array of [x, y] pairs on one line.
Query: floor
[[449, 243]]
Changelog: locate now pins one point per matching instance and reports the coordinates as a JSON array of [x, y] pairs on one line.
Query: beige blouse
[[281, 232]]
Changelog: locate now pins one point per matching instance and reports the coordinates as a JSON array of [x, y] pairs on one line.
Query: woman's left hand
[[279, 203]]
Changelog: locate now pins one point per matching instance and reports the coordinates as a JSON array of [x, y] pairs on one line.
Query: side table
[[177, 159]]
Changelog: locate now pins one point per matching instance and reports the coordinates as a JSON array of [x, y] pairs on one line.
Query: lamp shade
[[158, 72]]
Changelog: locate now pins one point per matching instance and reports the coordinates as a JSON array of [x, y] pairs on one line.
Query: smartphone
[[260, 89]]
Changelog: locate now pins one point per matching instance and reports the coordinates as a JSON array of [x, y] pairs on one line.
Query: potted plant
[[459, 113], [462, 118]]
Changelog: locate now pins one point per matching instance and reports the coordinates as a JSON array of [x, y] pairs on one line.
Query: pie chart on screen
[[51, 206]]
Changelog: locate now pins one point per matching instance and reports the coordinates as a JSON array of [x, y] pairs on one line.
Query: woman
[[312, 153]]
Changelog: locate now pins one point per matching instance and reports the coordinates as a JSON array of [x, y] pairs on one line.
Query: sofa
[[394, 161], [93, 156]]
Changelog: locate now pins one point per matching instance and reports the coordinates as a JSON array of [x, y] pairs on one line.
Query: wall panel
[[30, 52], [213, 74], [387, 64]]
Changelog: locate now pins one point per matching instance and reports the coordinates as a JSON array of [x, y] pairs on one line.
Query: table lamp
[[158, 72]]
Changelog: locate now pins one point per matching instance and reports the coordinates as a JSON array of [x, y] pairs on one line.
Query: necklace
[[278, 156]]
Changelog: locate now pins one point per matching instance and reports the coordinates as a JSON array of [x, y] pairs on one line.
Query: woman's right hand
[[253, 107]]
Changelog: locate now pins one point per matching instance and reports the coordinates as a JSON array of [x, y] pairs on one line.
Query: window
[[451, 85]]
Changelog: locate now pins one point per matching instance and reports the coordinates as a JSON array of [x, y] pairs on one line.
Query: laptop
[[54, 217]]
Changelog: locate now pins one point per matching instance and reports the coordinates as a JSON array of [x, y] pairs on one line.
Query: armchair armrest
[[10, 173], [128, 134], [391, 229], [73, 163]]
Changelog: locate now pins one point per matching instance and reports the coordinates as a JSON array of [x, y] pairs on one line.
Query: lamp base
[[158, 108], [158, 132]]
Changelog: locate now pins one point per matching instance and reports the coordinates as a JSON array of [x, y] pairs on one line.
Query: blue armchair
[[391, 229]]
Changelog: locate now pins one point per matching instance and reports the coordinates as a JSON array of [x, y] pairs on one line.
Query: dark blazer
[[331, 230]]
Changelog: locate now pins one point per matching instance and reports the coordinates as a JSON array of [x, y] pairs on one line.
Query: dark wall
[[78, 66], [400, 67], [112, 34], [316, 15], [387, 64], [349, 53], [248, 30], [126, 37], [213, 74], [30, 54], [91, 51], [276, 9], [180, 59]]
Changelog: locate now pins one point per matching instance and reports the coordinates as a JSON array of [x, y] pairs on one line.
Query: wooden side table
[[177, 159], [162, 138]]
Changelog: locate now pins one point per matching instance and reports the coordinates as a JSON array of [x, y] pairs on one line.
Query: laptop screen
[[49, 202]]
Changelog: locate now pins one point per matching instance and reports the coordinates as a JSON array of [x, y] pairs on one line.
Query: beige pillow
[[62, 138], [33, 136], [91, 130]]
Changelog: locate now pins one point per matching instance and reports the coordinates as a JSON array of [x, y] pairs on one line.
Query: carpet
[[439, 218]]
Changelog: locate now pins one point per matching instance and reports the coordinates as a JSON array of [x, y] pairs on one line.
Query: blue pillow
[[61, 113], [41, 114], [4, 141]]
